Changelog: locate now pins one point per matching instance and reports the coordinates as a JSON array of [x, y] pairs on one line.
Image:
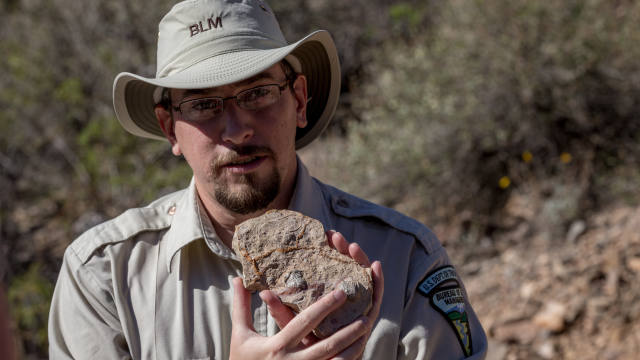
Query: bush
[[30, 298], [500, 95]]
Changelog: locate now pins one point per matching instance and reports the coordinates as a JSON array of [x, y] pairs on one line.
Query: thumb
[[241, 316]]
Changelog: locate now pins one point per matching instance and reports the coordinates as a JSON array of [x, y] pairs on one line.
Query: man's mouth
[[244, 165], [243, 161]]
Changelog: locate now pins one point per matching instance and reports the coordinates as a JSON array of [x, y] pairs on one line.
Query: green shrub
[[30, 299], [500, 94]]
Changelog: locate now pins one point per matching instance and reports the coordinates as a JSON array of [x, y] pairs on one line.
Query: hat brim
[[133, 95]]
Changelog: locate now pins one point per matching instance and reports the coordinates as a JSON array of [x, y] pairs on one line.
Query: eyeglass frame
[[281, 88]]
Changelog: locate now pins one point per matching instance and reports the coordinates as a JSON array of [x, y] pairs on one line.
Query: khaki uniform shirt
[[155, 283]]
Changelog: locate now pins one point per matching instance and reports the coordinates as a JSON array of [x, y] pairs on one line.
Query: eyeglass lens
[[207, 108]]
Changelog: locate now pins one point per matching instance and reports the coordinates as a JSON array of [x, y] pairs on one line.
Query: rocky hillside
[[573, 297]]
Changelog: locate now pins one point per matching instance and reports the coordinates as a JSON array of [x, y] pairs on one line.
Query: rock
[[527, 290], [497, 350], [551, 317], [634, 264], [546, 350], [523, 332], [287, 253], [577, 228]]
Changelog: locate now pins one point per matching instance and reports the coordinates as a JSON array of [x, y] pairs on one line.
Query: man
[[162, 281]]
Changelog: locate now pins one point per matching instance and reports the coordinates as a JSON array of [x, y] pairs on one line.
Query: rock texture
[[287, 253]]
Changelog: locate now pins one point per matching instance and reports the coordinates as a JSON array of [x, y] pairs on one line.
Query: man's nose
[[238, 125]]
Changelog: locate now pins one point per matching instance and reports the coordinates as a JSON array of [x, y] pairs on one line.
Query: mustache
[[236, 153]]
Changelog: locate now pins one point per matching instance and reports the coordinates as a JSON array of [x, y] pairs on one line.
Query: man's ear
[[300, 93], [166, 124]]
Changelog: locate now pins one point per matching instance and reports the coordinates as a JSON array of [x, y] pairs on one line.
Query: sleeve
[[438, 321], [83, 320]]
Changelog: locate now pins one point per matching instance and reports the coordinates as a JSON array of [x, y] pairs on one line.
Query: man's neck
[[224, 221]]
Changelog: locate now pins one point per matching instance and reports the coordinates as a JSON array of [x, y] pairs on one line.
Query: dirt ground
[[576, 297]]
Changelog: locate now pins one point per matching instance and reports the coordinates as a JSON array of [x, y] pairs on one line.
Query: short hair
[[289, 74]]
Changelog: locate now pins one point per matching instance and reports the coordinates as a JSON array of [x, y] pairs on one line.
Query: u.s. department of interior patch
[[449, 302], [437, 277], [443, 290]]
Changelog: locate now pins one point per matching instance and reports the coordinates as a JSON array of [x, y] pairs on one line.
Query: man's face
[[241, 157]]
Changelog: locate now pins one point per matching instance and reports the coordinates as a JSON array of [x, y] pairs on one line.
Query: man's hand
[[247, 344], [338, 242], [283, 315]]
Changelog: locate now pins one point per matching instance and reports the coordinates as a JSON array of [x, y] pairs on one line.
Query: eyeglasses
[[206, 108]]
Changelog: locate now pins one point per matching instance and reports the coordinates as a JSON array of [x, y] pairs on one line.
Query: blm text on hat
[[212, 25]]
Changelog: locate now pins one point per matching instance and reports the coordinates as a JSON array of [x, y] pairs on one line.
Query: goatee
[[256, 195]]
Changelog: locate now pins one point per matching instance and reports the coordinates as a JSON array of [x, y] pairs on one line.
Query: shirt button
[[343, 203], [172, 211]]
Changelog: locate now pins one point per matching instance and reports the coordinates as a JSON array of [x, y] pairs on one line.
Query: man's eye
[[256, 94], [204, 105]]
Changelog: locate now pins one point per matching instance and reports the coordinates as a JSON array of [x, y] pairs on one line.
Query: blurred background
[[509, 127]]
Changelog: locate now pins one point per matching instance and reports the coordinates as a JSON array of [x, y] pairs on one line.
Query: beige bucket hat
[[208, 43]]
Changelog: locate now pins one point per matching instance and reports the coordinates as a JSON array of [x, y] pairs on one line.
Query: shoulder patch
[[443, 290], [449, 302], [350, 206], [437, 277]]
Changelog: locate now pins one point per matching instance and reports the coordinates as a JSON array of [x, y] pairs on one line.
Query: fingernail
[[340, 295]]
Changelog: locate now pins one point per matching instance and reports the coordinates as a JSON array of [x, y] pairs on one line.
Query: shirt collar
[[191, 222], [186, 225]]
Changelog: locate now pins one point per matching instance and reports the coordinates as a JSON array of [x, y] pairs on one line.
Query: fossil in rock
[[287, 253]]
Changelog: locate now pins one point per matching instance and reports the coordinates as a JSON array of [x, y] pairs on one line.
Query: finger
[[329, 238], [347, 337], [280, 313], [340, 243], [241, 316], [378, 290], [283, 314], [308, 319], [365, 338], [359, 255], [354, 351]]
